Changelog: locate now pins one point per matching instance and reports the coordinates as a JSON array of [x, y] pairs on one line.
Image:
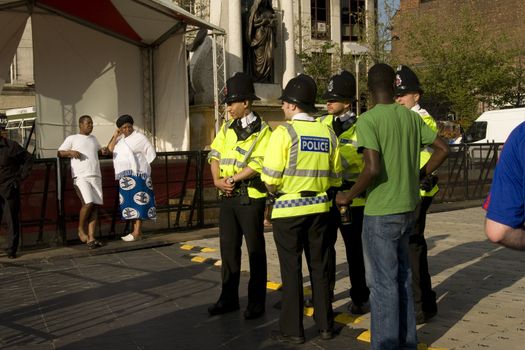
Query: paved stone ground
[[154, 297]]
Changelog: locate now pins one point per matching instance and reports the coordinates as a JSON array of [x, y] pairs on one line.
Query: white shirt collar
[[303, 116], [250, 118], [416, 108], [344, 117]]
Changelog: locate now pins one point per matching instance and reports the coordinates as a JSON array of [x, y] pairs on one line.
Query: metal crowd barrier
[[468, 171], [185, 195], [184, 192]]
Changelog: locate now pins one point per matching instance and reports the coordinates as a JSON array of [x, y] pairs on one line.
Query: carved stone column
[[289, 40], [235, 31]]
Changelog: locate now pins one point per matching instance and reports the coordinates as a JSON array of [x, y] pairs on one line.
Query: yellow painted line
[[208, 250], [346, 318], [186, 247], [199, 259], [273, 285], [365, 336], [309, 311], [218, 263]]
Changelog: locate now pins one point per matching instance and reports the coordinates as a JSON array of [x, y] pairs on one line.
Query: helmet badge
[[399, 81], [330, 86]]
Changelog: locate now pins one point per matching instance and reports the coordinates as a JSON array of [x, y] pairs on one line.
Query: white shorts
[[89, 189]]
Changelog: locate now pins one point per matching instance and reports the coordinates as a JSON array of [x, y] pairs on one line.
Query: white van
[[494, 126]]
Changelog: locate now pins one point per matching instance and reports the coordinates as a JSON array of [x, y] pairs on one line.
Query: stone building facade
[[302, 25]]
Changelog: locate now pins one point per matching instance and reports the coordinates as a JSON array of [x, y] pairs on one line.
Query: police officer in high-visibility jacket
[[408, 94], [236, 158], [339, 95], [301, 163]]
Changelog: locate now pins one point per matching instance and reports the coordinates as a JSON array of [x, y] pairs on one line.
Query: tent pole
[[152, 96], [219, 79]]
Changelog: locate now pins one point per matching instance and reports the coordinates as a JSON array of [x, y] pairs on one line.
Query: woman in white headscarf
[[132, 155]]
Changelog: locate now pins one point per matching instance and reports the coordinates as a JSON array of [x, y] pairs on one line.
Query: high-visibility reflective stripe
[[294, 150], [227, 126], [232, 161], [214, 153], [350, 176], [299, 202], [427, 149], [333, 138], [344, 163], [309, 173], [335, 175], [272, 173]]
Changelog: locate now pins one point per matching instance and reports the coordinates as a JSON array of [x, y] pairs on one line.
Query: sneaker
[[129, 238]]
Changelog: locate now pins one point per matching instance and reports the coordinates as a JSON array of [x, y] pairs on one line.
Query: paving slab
[[151, 295]]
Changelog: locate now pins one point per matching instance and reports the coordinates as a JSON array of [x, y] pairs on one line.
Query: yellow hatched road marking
[[208, 250], [345, 318], [365, 336], [199, 259], [273, 285], [186, 247], [309, 311]]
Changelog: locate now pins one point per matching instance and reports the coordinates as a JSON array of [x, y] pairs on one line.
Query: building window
[[352, 20], [320, 19]]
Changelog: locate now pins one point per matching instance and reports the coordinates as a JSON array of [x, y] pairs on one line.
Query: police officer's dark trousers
[[236, 220], [351, 234], [292, 236], [9, 211], [424, 296]]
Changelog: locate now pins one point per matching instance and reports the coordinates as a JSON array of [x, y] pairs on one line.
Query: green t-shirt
[[398, 135]]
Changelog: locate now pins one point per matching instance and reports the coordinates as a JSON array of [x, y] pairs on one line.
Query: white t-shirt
[[88, 164]]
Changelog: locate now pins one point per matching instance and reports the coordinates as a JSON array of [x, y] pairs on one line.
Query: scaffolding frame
[[219, 78]]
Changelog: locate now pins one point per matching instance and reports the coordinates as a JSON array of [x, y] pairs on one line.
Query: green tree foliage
[[460, 60], [318, 65]]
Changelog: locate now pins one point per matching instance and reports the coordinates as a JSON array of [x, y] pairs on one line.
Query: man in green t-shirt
[[390, 137]]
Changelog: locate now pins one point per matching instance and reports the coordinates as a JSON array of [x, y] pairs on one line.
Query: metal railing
[[184, 191], [467, 173], [185, 195]]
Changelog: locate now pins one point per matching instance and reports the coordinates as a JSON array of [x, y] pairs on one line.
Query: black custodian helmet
[[341, 87], [301, 91], [239, 88], [406, 81]]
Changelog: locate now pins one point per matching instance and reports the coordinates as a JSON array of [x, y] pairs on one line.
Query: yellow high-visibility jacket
[[426, 152], [234, 155], [302, 160], [351, 161]]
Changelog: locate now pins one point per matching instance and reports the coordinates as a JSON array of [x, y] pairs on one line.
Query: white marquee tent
[[104, 58]]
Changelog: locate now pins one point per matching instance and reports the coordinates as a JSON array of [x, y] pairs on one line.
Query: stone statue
[[261, 40]]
